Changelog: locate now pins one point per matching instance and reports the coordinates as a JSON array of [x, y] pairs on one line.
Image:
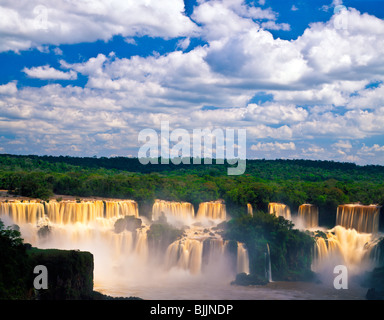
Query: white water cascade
[[350, 242], [268, 268], [123, 259], [309, 215], [279, 210]]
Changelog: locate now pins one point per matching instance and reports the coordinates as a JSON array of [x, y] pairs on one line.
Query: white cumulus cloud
[[273, 146], [28, 24], [47, 72]]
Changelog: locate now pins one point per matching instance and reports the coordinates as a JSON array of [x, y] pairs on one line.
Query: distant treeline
[[294, 182], [308, 170]]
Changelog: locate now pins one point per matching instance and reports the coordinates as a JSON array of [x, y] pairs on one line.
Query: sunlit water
[[123, 266]]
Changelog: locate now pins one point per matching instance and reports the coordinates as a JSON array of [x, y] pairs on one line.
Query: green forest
[[293, 182]]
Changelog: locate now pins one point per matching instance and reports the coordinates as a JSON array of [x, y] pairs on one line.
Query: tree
[[15, 275]]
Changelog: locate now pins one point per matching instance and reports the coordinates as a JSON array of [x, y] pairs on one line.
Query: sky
[[84, 78]]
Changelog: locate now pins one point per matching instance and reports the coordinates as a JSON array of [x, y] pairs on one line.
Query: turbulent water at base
[[201, 246], [351, 242]]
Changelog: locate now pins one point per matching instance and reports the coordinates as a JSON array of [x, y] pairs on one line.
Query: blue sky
[[83, 78]]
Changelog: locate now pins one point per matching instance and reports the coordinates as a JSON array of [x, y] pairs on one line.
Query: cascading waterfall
[[89, 226], [183, 211], [214, 249], [23, 211], [279, 210], [351, 242], [122, 255], [250, 209], [359, 217], [65, 212], [83, 225], [214, 210], [343, 246], [201, 246], [186, 254], [309, 215], [268, 267], [242, 259]]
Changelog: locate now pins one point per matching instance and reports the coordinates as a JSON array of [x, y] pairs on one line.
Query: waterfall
[[183, 211], [83, 225], [65, 212], [23, 211], [343, 246], [309, 214], [213, 250], [185, 254], [242, 259], [116, 209], [268, 268], [214, 210], [279, 210], [362, 218], [352, 242], [250, 209], [141, 248], [123, 256]]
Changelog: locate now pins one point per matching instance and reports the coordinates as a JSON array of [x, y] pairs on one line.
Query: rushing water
[[309, 214], [197, 266], [280, 210]]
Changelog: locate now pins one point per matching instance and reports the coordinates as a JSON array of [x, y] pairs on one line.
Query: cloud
[[351, 54], [31, 23], [342, 145], [271, 113], [337, 3], [58, 51], [325, 85], [313, 151], [219, 19], [8, 88], [184, 43], [46, 72], [272, 25], [334, 4], [273, 146], [255, 59], [130, 41], [370, 98], [371, 150]]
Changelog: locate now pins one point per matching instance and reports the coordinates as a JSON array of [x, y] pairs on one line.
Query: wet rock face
[[243, 279], [44, 231], [70, 273], [129, 223]]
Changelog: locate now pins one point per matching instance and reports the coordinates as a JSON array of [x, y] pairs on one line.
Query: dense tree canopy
[[293, 182], [14, 267]]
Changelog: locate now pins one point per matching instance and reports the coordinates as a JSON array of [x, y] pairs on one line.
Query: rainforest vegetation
[[293, 182]]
